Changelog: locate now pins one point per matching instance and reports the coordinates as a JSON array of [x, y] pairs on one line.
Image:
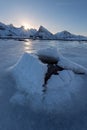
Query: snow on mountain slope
[[43, 33], [4, 30], [65, 35], [21, 32], [11, 31]]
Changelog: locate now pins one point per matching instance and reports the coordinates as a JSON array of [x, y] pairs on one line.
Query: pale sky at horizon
[[55, 15]]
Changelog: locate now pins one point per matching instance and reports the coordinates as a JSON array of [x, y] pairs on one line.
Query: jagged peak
[[43, 29], [42, 32]]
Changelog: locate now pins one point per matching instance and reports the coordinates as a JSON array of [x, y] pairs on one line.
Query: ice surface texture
[[29, 74]]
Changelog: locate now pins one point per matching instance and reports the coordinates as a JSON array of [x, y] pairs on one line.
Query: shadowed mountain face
[[9, 31], [43, 33]]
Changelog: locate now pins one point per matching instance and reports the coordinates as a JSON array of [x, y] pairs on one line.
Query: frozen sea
[[20, 117]]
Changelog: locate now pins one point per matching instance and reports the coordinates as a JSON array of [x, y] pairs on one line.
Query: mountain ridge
[[10, 31]]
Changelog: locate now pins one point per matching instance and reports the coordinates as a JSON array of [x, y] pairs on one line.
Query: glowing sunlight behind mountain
[[26, 25]]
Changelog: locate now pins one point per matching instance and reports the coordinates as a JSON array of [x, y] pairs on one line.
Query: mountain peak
[[43, 29], [43, 33], [66, 32], [11, 31]]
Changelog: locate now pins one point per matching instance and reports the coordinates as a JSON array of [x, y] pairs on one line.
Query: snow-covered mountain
[[43, 33], [21, 32], [9, 31], [4, 30], [65, 35]]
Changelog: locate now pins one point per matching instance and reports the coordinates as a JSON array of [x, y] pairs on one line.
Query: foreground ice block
[[29, 74], [62, 61], [61, 89]]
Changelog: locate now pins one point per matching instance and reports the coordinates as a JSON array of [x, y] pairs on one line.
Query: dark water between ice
[[17, 117]]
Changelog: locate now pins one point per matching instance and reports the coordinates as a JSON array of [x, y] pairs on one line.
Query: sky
[[55, 15]]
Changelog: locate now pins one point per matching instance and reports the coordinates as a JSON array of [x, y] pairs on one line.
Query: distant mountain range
[[9, 31]]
